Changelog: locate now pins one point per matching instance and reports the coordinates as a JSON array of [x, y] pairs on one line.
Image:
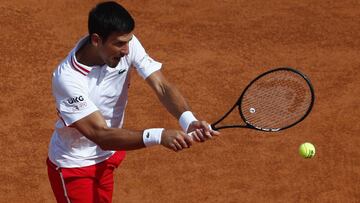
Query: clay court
[[210, 50]]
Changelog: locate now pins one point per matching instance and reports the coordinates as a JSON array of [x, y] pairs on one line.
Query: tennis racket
[[275, 100]]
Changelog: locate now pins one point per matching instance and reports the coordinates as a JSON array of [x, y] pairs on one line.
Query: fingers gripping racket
[[275, 100]]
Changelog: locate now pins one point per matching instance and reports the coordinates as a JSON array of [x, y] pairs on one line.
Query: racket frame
[[247, 124]]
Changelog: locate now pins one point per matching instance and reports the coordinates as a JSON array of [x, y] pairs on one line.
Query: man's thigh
[[87, 184]]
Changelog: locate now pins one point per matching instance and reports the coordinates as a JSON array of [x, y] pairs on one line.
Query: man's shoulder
[[136, 50], [65, 75], [66, 69]]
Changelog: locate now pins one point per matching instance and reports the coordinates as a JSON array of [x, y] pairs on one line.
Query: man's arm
[[95, 129], [175, 103], [168, 94]]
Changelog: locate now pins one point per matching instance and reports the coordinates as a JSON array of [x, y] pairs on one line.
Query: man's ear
[[95, 40]]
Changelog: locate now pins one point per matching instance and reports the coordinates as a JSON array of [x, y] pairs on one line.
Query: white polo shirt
[[80, 90]]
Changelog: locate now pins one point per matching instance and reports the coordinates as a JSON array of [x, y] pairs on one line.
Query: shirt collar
[[81, 68]]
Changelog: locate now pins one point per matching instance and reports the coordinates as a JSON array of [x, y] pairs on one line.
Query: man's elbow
[[98, 136]]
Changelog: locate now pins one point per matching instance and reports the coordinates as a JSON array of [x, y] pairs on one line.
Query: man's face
[[114, 48]]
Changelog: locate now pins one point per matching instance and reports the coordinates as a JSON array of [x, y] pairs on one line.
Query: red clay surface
[[210, 50]]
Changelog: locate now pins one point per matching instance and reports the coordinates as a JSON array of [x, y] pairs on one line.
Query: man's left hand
[[201, 131]]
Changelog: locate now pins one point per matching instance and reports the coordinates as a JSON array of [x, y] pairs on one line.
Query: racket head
[[276, 100]]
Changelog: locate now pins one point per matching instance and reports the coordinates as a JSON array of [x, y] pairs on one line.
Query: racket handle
[[192, 134]]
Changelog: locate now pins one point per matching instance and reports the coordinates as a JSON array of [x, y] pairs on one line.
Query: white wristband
[[152, 136], [185, 119]]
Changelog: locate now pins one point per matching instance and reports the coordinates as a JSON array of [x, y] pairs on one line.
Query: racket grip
[[192, 134]]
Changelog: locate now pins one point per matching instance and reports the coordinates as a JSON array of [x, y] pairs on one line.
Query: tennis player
[[90, 87]]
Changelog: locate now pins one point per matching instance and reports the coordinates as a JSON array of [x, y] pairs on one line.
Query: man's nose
[[125, 49]]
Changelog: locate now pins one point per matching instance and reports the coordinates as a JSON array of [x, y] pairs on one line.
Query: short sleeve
[[72, 99], [143, 63]]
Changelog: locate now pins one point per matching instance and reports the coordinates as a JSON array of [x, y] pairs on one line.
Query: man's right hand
[[175, 140]]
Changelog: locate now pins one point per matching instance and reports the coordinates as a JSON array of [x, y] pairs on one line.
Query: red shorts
[[86, 184]]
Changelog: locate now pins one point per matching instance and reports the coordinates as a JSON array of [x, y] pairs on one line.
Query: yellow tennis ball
[[307, 150]]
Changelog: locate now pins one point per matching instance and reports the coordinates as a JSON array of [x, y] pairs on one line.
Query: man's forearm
[[119, 139], [173, 101]]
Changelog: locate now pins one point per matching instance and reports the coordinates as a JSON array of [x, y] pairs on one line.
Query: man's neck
[[87, 55]]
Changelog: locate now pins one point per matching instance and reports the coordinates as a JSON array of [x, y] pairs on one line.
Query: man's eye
[[120, 44]]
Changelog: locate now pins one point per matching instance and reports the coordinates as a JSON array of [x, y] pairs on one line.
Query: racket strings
[[285, 95], [276, 100]]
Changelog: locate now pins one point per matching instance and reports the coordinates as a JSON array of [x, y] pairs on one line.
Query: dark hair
[[108, 17]]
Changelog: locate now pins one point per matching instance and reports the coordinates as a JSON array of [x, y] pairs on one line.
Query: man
[[90, 88]]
